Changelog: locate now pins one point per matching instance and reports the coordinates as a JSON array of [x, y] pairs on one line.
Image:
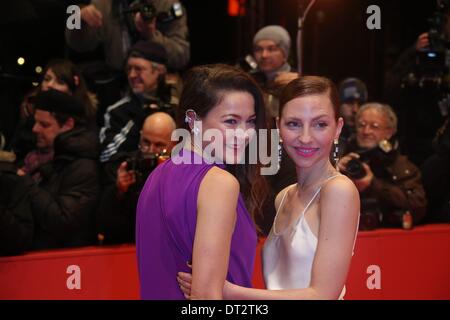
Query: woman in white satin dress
[[308, 251]]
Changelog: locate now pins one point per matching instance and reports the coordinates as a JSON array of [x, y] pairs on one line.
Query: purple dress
[[165, 227]]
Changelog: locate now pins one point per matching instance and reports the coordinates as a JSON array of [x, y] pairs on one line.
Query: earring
[[336, 151], [280, 150], [187, 119], [195, 130], [280, 153]]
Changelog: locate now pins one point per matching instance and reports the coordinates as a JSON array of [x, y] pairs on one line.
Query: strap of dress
[[302, 216], [279, 209]]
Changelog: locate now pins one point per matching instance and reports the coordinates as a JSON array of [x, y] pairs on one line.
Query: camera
[[436, 34], [432, 65], [148, 11], [354, 169], [144, 163], [377, 157]]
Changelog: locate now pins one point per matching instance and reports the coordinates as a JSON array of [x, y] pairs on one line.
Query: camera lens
[[355, 169]]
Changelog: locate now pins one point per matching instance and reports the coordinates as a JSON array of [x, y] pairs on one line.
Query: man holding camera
[[126, 177], [417, 85], [117, 24], [146, 68], [386, 180]]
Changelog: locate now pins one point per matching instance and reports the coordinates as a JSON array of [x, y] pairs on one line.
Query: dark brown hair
[[204, 88], [308, 86], [65, 71]]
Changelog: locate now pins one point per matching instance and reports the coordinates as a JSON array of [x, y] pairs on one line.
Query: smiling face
[[46, 129], [232, 117], [268, 55], [372, 126], [142, 75], [308, 128]]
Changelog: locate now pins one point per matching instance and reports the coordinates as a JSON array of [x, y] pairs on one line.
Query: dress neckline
[[302, 215]]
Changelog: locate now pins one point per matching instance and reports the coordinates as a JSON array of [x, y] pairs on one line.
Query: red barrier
[[82, 273], [397, 264], [388, 264]]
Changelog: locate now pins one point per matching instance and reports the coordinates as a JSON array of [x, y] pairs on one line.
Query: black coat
[[116, 214], [16, 220], [57, 211], [64, 201], [397, 185]]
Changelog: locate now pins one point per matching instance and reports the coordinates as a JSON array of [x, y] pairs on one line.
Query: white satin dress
[[288, 256]]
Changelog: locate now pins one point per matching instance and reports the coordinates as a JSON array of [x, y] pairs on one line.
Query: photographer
[[115, 25], [387, 181], [126, 177], [418, 84], [148, 93]]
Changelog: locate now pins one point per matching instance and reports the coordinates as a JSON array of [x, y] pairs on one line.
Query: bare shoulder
[[341, 192], [340, 186], [219, 180], [280, 196], [217, 199]]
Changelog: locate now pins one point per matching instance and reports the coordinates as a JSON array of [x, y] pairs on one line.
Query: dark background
[[337, 43]]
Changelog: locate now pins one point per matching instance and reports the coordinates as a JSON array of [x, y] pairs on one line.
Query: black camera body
[[355, 170], [377, 157], [142, 164], [432, 65], [436, 34], [148, 11]]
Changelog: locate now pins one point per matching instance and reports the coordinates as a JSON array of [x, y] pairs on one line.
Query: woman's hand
[[184, 281]]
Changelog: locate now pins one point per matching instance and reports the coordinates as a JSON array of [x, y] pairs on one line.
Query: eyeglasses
[[136, 69], [145, 147], [372, 125]]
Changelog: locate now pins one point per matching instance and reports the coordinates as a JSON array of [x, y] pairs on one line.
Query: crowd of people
[[77, 173]]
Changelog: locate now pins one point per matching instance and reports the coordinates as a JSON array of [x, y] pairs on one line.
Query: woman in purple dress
[[191, 209]]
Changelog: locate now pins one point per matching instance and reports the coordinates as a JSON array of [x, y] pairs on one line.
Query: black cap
[[58, 102], [353, 89], [150, 50]]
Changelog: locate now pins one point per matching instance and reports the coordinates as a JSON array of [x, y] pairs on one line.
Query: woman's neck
[[193, 146], [315, 175]]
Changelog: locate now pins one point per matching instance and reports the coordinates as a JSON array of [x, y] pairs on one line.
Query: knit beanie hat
[[277, 34], [353, 89]]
